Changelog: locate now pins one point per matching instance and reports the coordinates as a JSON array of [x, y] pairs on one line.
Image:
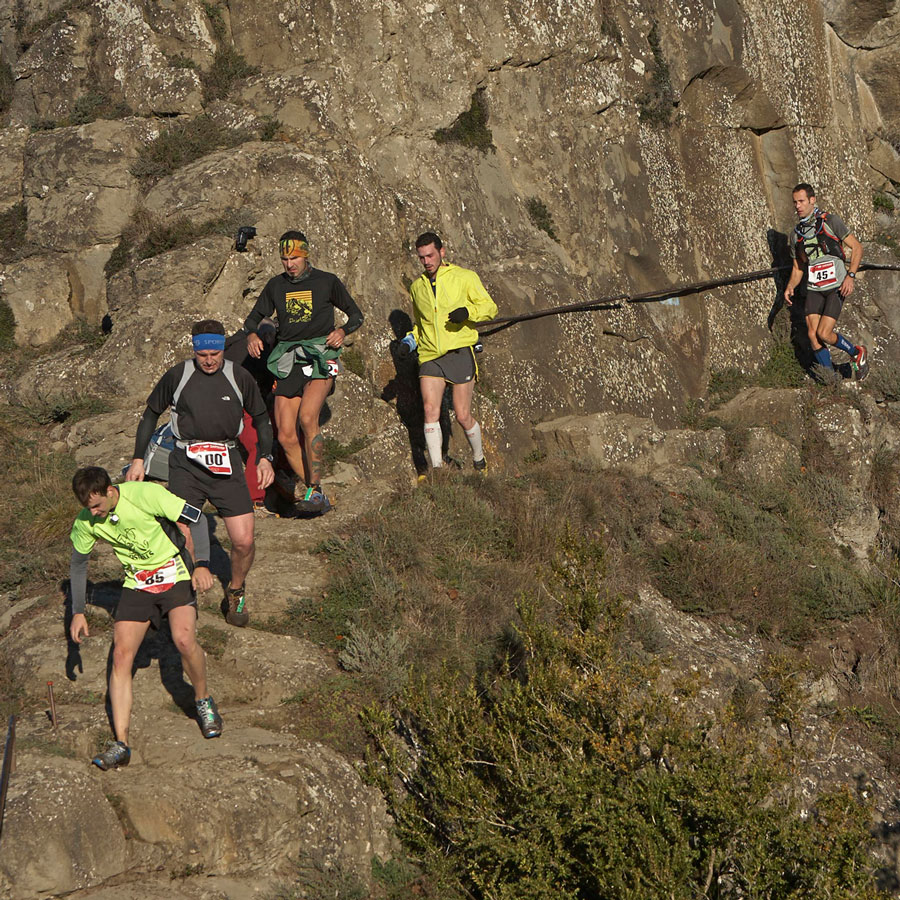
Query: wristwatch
[[852, 274], [269, 457]]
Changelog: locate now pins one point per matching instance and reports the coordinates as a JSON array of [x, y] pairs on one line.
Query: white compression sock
[[433, 440], [474, 436]]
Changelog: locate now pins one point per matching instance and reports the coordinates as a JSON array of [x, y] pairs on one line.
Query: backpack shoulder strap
[[228, 369], [186, 373]]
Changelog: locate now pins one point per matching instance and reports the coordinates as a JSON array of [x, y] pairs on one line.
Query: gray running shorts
[[824, 303], [455, 366]]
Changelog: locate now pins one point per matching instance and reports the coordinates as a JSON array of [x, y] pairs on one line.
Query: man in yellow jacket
[[447, 301]]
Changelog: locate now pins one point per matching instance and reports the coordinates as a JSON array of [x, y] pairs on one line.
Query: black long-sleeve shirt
[[305, 307]]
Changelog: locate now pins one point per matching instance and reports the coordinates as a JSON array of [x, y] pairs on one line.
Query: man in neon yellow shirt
[[132, 518], [447, 302]]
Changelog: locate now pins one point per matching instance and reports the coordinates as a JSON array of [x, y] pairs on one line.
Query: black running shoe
[[314, 500], [480, 464], [114, 756], [209, 718]]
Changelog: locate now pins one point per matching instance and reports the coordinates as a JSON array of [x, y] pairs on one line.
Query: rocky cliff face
[[658, 142], [661, 140]]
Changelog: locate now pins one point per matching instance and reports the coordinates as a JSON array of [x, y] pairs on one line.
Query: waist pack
[[156, 459]]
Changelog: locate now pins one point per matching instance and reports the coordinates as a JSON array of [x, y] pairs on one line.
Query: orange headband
[[291, 248]]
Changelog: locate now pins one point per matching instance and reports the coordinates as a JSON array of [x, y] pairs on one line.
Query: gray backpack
[[162, 443]]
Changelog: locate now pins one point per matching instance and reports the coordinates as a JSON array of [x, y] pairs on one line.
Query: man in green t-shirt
[[134, 518]]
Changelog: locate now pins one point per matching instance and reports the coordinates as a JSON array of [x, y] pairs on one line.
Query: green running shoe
[[209, 718]]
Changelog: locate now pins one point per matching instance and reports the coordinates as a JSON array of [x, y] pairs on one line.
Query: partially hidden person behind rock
[[207, 396], [447, 302], [236, 351], [305, 359], [136, 519], [818, 247]]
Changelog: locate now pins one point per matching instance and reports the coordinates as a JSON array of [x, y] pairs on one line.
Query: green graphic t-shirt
[[136, 537]]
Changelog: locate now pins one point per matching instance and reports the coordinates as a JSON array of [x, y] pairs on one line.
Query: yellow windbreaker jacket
[[456, 287]]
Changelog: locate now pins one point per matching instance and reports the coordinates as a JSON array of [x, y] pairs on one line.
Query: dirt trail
[[226, 818]]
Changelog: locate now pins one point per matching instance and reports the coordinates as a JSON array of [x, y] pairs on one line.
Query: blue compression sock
[[843, 344], [823, 358]]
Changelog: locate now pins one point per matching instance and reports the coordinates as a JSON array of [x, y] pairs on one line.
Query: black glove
[[458, 316], [403, 350]]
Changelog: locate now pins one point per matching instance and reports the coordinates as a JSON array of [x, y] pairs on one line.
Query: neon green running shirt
[[136, 537]]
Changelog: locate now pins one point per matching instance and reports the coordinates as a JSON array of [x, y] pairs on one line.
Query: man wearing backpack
[[144, 524], [207, 397], [818, 248]]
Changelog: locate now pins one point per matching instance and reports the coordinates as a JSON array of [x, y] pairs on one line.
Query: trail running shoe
[[236, 614], [452, 463], [209, 718], [480, 464], [861, 363], [314, 500], [261, 511], [114, 756]]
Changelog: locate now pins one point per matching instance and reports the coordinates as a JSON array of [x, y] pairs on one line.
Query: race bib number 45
[[157, 580], [213, 457], [823, 274]]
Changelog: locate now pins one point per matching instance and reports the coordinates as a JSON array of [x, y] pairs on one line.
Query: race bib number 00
[[823, 274], [156, 581], [214, 458]]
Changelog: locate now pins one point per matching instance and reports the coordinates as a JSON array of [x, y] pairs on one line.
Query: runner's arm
[[856, 255], [78, 565], [793, 281], [478, 301], [340, 297]]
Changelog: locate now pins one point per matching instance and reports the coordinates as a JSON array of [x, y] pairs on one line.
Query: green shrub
[[540, 217], [13, 232], [7, 327], [470, 127], [216, 19], [182, 143], [270, 129], [656, 104], [147, 236], [7, 85], [334, 450], [567, 772], [882, 203], [227, 67], [96, 105], [354, 362]]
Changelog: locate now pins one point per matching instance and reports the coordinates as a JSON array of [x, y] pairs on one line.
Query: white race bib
[[823, 274], [213, 457], [156, 581]]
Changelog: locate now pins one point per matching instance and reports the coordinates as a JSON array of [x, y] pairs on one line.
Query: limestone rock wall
[[663, 140]]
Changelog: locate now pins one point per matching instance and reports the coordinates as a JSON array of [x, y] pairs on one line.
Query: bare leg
[[183, 624], [314, 395], [286, 411], [127, 638], [243, 549]]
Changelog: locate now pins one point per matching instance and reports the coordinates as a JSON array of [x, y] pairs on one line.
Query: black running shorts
[[141, 606], [455, 366], [294, 384], [824, 303], [228, 493]]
